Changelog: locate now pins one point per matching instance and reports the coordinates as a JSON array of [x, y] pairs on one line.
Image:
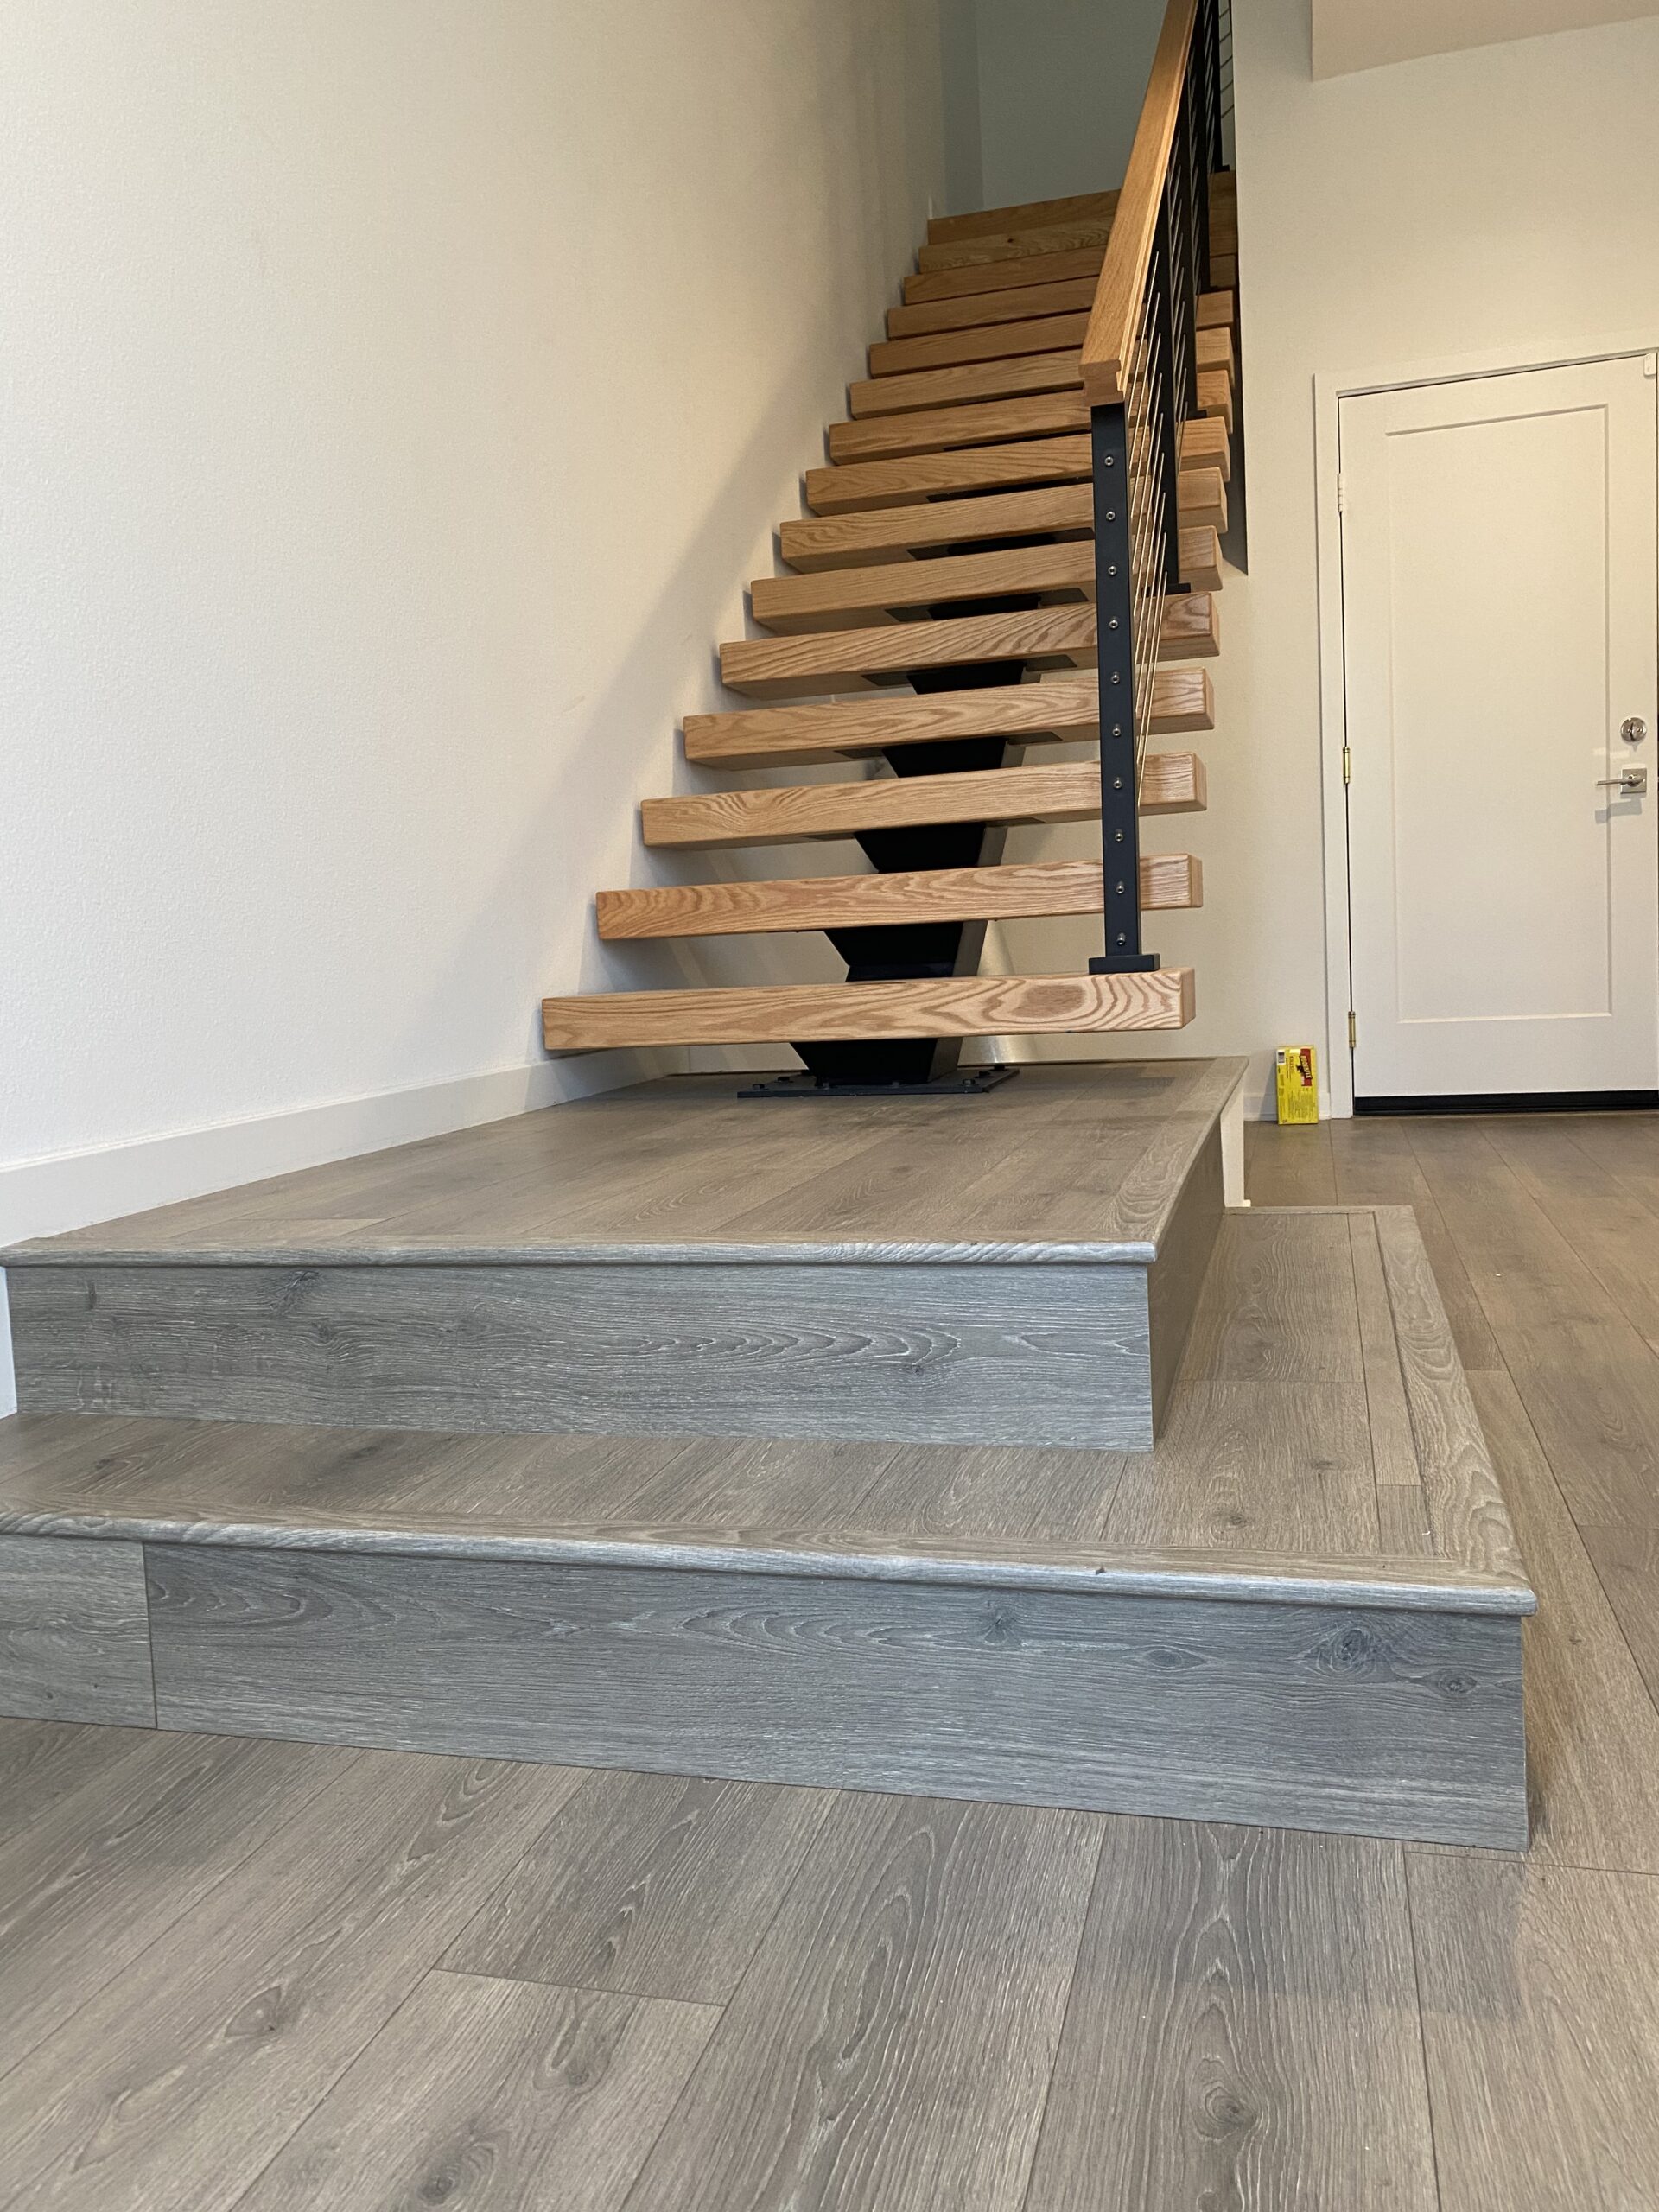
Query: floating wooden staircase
[[935, 617]]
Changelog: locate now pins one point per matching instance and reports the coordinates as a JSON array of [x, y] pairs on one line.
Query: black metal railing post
[[1115, 609]]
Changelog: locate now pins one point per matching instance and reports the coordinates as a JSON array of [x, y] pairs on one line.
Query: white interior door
[[1499, 597]]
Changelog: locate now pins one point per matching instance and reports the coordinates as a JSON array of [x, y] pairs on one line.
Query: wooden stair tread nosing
[[1171, 783], [1006, 891], [1216, 396], [1214, 350], [829, 659], [951, 1006], [1065, 709], [897, 479], [1005, 275], [939, 429], [786, 603], [860, 536], [1036, 239], [981, 310], [1018, 376], [948, 349], [1027, 214]]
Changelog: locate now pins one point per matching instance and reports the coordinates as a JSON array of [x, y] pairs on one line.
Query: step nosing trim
[[1382, 1584], [1130, 1252]]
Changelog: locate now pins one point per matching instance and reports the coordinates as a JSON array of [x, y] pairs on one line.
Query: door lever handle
[[1632, 783]]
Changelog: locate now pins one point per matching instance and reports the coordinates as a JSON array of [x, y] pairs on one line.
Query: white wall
[[1060, 85], [1358, 35], [398, 394], [1497, 200]]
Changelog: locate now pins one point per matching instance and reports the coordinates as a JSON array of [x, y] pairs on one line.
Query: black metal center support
[[903, 952], [1120, 817]]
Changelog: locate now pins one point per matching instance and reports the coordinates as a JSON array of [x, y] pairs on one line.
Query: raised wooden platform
[[1019, 1267], [1303, 1609]]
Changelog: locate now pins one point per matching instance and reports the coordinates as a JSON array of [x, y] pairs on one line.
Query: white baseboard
[[45, 1196]]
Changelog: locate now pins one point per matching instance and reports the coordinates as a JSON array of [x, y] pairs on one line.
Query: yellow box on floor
[[1298, 1087]]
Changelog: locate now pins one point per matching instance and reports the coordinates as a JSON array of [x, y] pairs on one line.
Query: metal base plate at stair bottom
[[806, 1086]]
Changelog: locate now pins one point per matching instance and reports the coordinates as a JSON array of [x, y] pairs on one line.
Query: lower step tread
[[955, 1006]]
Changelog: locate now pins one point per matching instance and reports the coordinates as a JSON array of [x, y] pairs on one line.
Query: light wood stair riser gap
[[1171, 783], [984, 310], [1063, 710], [797, 603], [1024, 215], [955, 894], [959, 1006], [828, 661], [941, 430]]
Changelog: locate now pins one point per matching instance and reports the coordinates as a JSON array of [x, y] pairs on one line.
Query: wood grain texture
[[1116, 315], [1171, 783], [41, 1762], [978, 1006], [1216, 351], [1203, 499], [1047, 414], [991, 341], [1005, 376], [910, 477], [1541, 2018], [1216, 310], [1243, 2031], [739, 906], [1024, 215], [85, 1889], [1016, 244], [890, 2050], [74, 1638], [810, 601], [1018, 302], [820, 661], [1032, 270], [477, 2092], [1592, 1732], [656, 1885], [176, 2097], [1377, 1722], [1065, 708], [972, 1354], [1205, 444], [893, 535], [1216, 396]]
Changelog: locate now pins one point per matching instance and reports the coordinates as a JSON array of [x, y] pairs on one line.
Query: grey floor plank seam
[[1422, 2033]]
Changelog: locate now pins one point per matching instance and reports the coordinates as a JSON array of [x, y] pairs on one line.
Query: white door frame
[[1331, 388]]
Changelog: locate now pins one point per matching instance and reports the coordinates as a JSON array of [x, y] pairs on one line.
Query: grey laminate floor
[[261, 1975]]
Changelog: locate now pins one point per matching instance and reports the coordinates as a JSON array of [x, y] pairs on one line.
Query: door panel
[[1499, 625]]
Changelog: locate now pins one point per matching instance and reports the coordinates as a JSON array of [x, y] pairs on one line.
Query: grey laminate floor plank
[[1278, 1303], [1012, 1492], [1541, 2018], [500, 2096], [43, 1762], [87, 1889], [660, 1886], [1613, 1237], [175, 2083], [1290, 1166], [1592, 1730], [1265, 1467], [1243, 2030], [1376, 1166], [890, 2044]]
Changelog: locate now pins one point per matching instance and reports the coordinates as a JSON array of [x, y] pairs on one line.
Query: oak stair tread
[[1017, 376], [804, 602], [950, 1006], [983, 310], [910, 478], [938, 429], [1024, 215], [1171, 783], [946, 349], [1005, 275], [861, 535], [1016, 244], [1064, 709], [830, 660]]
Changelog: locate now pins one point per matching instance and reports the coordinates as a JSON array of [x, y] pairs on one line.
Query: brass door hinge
[[1353, 1031], [1347, 765]]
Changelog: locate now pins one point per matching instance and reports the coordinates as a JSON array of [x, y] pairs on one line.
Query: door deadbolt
[[1633, 731]]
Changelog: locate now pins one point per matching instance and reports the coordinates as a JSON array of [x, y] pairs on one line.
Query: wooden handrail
[[1109, 344]]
